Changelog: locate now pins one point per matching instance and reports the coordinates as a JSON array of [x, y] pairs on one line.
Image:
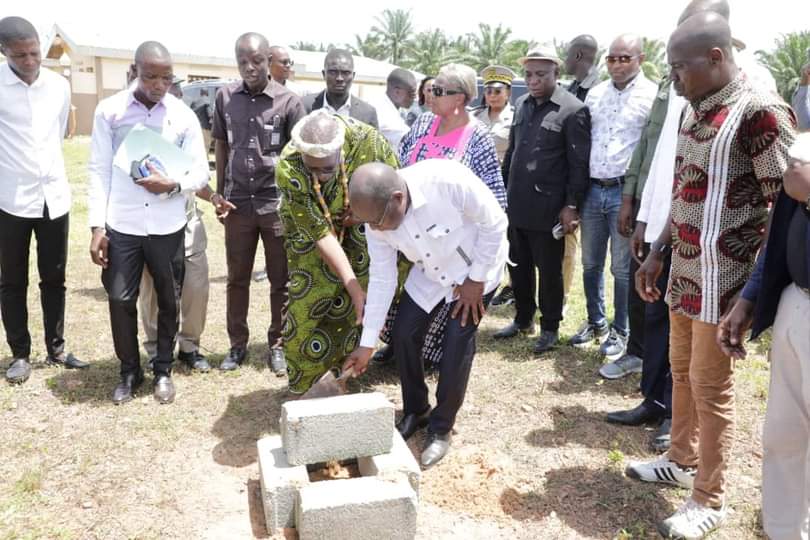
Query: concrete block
[[335, 428], [280, 483], [396, 464], [356, 509]]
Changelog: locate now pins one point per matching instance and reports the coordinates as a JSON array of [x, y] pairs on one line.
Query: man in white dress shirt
[[137, 223], [34, 194], [449, 224], [400, 91]]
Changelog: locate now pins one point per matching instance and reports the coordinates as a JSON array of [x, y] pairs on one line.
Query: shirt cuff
[[481, 273], [369, 337], [750, 292], [97, 219]]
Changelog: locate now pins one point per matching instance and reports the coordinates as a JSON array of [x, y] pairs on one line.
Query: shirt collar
[[8, 77], [557, 96], [348, 103], [132, 99], [590, 79], [271, 90], [418, 198], [630, 85], [725, 95]]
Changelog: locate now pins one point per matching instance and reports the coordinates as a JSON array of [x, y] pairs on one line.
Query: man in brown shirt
[[252, 123]]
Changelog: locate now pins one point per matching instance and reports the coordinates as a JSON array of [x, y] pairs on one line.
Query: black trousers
[[163, 256], [458, 351], [530, 250], [656, 376], [52, 246], [636, 309]]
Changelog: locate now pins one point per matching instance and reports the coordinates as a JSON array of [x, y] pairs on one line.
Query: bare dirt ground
[[532, 456]]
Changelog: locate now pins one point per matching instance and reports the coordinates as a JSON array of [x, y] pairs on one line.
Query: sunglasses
[[438, 91], [380, 222], [623, 59], [287, 63], [493, 91]]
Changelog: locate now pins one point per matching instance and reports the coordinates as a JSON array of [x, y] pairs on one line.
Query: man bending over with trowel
[[448, 223]]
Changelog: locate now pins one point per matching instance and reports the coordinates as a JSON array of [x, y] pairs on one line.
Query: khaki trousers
[[570, 261], [702, 406], [786, 437]]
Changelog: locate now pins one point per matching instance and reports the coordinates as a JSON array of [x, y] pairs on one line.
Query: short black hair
[[16, 29]]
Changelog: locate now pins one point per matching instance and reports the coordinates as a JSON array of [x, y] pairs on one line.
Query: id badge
[[275, 136]]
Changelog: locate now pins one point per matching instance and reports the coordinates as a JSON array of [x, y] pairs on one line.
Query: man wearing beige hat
[[546, 167]]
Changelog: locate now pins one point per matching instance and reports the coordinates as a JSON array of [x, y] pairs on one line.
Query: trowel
[[329, 385]]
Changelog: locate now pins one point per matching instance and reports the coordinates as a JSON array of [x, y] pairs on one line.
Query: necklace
[[344, 183]]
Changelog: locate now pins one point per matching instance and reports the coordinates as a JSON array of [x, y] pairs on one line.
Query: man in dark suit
[[546, 173], [338, 72]]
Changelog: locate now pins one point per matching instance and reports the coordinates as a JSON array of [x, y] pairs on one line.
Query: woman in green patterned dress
[[326, 248]]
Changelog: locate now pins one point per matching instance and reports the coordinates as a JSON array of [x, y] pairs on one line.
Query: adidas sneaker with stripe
[[692, 521], [661, 470]]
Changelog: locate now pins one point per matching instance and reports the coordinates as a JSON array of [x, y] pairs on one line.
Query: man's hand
[[358, 360], [156, 183], [99, 244], [637, 242], [358, 297], [625, 223], [732, 327], [647, 275], [222, 206], [469, 301], [569, 219], [797, 181]]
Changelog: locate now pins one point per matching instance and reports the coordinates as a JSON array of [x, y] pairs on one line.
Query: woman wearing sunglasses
[[496, 112], [449, 132]]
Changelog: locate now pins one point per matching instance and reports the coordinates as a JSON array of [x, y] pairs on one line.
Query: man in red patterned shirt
[[732, 150]]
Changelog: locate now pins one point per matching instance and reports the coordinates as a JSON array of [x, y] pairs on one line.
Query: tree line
[[394, 39]]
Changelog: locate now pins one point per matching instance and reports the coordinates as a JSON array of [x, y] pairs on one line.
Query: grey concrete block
[[334, 428], [280, 483], [399, 463], [356, 509]]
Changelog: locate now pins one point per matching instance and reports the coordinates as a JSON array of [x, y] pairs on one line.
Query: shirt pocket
[[272, 139]]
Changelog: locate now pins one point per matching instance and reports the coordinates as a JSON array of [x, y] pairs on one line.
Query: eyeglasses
[[623, 59], [438, 91], [380, 222], [287, 63], [493, 91]]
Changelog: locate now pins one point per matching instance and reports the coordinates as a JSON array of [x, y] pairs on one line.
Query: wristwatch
[[662, 249], [175, 190]]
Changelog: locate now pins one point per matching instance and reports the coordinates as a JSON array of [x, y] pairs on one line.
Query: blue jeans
[[600, 214]]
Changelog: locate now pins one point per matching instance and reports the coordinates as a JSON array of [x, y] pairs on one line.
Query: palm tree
[[305, 46], [514, 51], [396, 28], [786, 61], [654, 66], [370, 46], [427, 51], [489, 45], [459, 51]]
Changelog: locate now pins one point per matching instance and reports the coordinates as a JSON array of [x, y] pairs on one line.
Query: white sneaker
[[661, 470], [691, 521]]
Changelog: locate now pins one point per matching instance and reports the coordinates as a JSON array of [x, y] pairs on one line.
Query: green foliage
[[370, 46], [426, 53], [655, 65], [395, 30], [786, 61]]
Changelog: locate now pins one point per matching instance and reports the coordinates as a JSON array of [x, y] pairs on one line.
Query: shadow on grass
[[97, 294], [591, 502], [578, 372], [246, 419], [92, 385]]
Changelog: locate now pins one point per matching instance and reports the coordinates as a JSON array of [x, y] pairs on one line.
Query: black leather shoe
[[548, 340], [436, 447], [19, 371], [662, 440], [512, 330], [634, 417], [277, 362], [195, 361], [383, 355], [411, 423], [234, 359], [164, 389], [67, 360], [127, 387]]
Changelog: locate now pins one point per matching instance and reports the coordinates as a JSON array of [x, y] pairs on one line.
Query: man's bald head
[[401, 87], [252, 41], [401, 77], [694, 7], [629, 42], [624, 59], [378, 196], [152, 52], [699, 53], [16, 29], [280, 64], [581, 56]]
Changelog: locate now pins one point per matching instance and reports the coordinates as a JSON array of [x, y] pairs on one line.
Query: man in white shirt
[[400, 92], [449, 224], [619, 109], [34, 194], [142, 222]]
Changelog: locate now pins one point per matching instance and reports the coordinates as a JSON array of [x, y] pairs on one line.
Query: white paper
[[142, 141]]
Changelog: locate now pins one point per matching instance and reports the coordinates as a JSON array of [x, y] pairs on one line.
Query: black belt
[[608, 182]]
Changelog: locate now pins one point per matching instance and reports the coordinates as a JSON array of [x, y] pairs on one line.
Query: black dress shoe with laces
[[547, 341], [436, 447], [164, 389], [236, 356], [411, 423], [512, 330], [195, 361], [277, 362], [67, 360], [19, 371], [383, 355], [635, 417], [127, 387]]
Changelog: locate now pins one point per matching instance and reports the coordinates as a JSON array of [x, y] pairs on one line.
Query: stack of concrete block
[[381, 504]]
